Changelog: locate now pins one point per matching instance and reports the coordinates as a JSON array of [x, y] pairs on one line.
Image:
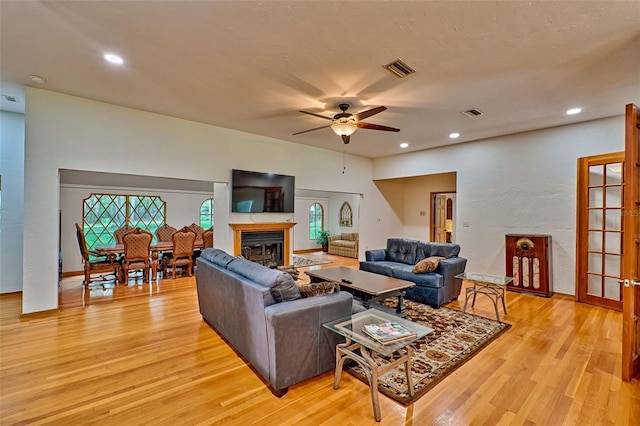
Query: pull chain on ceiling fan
[[345, 123]]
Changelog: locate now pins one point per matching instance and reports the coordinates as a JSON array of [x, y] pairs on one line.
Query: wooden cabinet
[[528, 261]]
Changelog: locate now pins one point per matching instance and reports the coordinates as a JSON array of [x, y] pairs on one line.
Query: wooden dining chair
[[207, 238], [120, 232], [183, 245], [137, 253], [163, 233], [199, 230], [99, 265]]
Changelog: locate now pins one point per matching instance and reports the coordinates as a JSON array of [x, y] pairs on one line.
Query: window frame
[[313, 227], [210, 214], [135, 210]]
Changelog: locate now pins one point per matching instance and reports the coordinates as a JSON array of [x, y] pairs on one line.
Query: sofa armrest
[[376, 255], [299, 346], [449, 268], [333, 237]]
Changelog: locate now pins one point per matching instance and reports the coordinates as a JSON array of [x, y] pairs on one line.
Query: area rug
[[457, 338], [301, 261]]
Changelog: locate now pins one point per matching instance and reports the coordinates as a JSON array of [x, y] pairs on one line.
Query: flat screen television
[[256, 192]]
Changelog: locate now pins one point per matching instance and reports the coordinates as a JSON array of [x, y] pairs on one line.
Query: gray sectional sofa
[[398, 259], [260, 312]]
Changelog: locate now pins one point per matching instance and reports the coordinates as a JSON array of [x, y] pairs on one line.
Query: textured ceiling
[[251, 65]]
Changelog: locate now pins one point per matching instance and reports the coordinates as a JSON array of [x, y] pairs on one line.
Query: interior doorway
[[443, 216], [600, 230]]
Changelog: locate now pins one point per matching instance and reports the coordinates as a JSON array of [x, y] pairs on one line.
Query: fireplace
[[264, 247], [263, 243]]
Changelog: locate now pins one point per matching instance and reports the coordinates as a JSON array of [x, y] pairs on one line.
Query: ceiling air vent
[[473, 112], [399, 68], [9, 98]]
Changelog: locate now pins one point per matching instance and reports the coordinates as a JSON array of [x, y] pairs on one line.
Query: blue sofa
[[398, 259]]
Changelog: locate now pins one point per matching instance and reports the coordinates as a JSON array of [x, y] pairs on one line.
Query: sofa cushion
[[381, 267], [428, 264], [349, 236], [318, 289], [428, 249], [217, 257], [343, 243], [402, 250], [281, 285], [429, 279]]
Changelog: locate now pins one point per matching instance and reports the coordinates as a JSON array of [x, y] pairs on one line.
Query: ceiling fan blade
[[316, 115], [369, 126], [368, 113], [345, 139], [311, 130]]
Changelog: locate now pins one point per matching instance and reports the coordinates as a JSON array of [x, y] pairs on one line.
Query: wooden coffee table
[[367, 286]]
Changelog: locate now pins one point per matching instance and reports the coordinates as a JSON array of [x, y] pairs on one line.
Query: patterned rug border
[[436, 376], [307, 261]]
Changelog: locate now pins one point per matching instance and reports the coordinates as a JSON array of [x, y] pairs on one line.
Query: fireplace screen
[[264, 247]]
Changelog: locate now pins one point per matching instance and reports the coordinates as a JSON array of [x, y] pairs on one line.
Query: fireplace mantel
[[239, 228]]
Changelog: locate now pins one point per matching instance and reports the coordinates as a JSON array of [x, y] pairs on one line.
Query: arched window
[[346, 215], [316, 220], [206, 214]]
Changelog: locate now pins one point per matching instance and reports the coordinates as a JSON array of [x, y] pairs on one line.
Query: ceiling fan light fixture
[[344, 126]]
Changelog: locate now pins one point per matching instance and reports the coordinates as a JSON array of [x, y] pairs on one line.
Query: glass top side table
[[360, 348], [492, 286]]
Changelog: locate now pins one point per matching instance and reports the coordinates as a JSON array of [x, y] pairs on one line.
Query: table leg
[[407, 370], [467, 295], [366, 301], [475, 292], [154, 265], [504, 305], [345, 351], [339, 363], [495, 305], [400, 307]]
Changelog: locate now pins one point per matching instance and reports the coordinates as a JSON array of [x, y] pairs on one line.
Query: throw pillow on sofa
[[428, 264], [318, 289]]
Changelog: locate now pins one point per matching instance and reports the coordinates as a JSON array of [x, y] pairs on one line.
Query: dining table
[[155, 248]]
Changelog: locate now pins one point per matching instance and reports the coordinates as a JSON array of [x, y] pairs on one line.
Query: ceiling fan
[[345, 123]]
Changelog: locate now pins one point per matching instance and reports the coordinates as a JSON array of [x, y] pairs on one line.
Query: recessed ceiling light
[[454, 135], [114, 59], [38, 79], [574, 111], [404, 145]]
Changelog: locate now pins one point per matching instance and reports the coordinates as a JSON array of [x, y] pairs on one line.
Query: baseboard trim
[[39, 314]]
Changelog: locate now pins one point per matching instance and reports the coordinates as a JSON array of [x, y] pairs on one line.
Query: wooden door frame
[[582, 220], [631, 260], [432, 207]]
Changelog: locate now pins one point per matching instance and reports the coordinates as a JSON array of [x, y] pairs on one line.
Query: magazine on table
[[387, 332]]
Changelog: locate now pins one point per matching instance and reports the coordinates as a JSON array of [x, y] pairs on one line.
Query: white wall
[[301, 239], [182, 209], [66, 132], [516, 183], [11, 207], [522, 183], [417, 198], [333, 219]]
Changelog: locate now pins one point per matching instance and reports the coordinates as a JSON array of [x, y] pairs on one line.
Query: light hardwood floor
[[141, 354]]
